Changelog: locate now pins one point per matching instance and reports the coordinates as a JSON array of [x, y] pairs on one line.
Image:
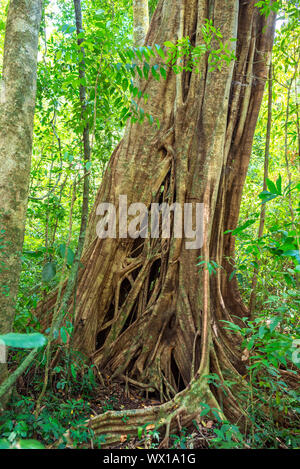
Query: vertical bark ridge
[[140, 21]]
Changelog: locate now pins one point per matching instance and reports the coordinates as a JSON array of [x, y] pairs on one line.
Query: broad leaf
[[49, 271], [27, 341]]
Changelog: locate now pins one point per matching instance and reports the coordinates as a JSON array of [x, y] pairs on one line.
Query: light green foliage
[[271, 345], [184, 56], [71, 416], [58, 154], [210, 265], [66, 409], [277, 251], [267, 6]]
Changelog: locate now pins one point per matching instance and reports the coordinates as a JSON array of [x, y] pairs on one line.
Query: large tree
[[17, 103], [145, 312]]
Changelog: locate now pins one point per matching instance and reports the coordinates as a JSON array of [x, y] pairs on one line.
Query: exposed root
[[180, 411]]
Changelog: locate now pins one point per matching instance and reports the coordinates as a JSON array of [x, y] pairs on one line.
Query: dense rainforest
[[149, 224]]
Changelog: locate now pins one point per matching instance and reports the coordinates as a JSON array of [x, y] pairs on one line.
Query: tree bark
[[144, 311], [140, 21], [17, 104], [86, 129]]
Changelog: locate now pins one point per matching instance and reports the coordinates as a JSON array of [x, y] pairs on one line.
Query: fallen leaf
[[150, 427]]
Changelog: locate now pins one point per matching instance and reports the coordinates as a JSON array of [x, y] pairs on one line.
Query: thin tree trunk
[[266, 175], [143, 309], [286, 157], [140, 21], [297, 122], [17, 104], [86, 130]]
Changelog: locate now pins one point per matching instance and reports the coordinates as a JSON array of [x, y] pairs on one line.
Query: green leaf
[[139, 71], [232, 275], [34, 253], [250, 343], [146, 69], [271, 186], [65, 27], [154, 72], [160, 51], [273, 323], [4, 444], [279, 185], [261, 332], [63, 335], [292, 253], [150, 118], [29, 341], [244, 226], [169, 44], [216, 413], [31, 444], [205, 410], [163, 73], [266, 196], [70, 255], [49, 271], [139, 54], [73, 371]]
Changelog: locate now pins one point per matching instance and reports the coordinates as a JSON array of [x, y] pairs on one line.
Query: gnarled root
[[173, 415]]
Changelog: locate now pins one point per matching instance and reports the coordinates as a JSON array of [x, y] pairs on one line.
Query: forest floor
[[117, 396], [68, 405], [79, 394], [72, 400]]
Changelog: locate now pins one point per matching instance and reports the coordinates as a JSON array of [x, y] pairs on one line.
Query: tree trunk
[[86, 129], [17, 103], [144, 311], [140, 21]]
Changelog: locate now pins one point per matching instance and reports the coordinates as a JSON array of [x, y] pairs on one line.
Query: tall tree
[[140, 21], [17, 104], [144, 311]]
